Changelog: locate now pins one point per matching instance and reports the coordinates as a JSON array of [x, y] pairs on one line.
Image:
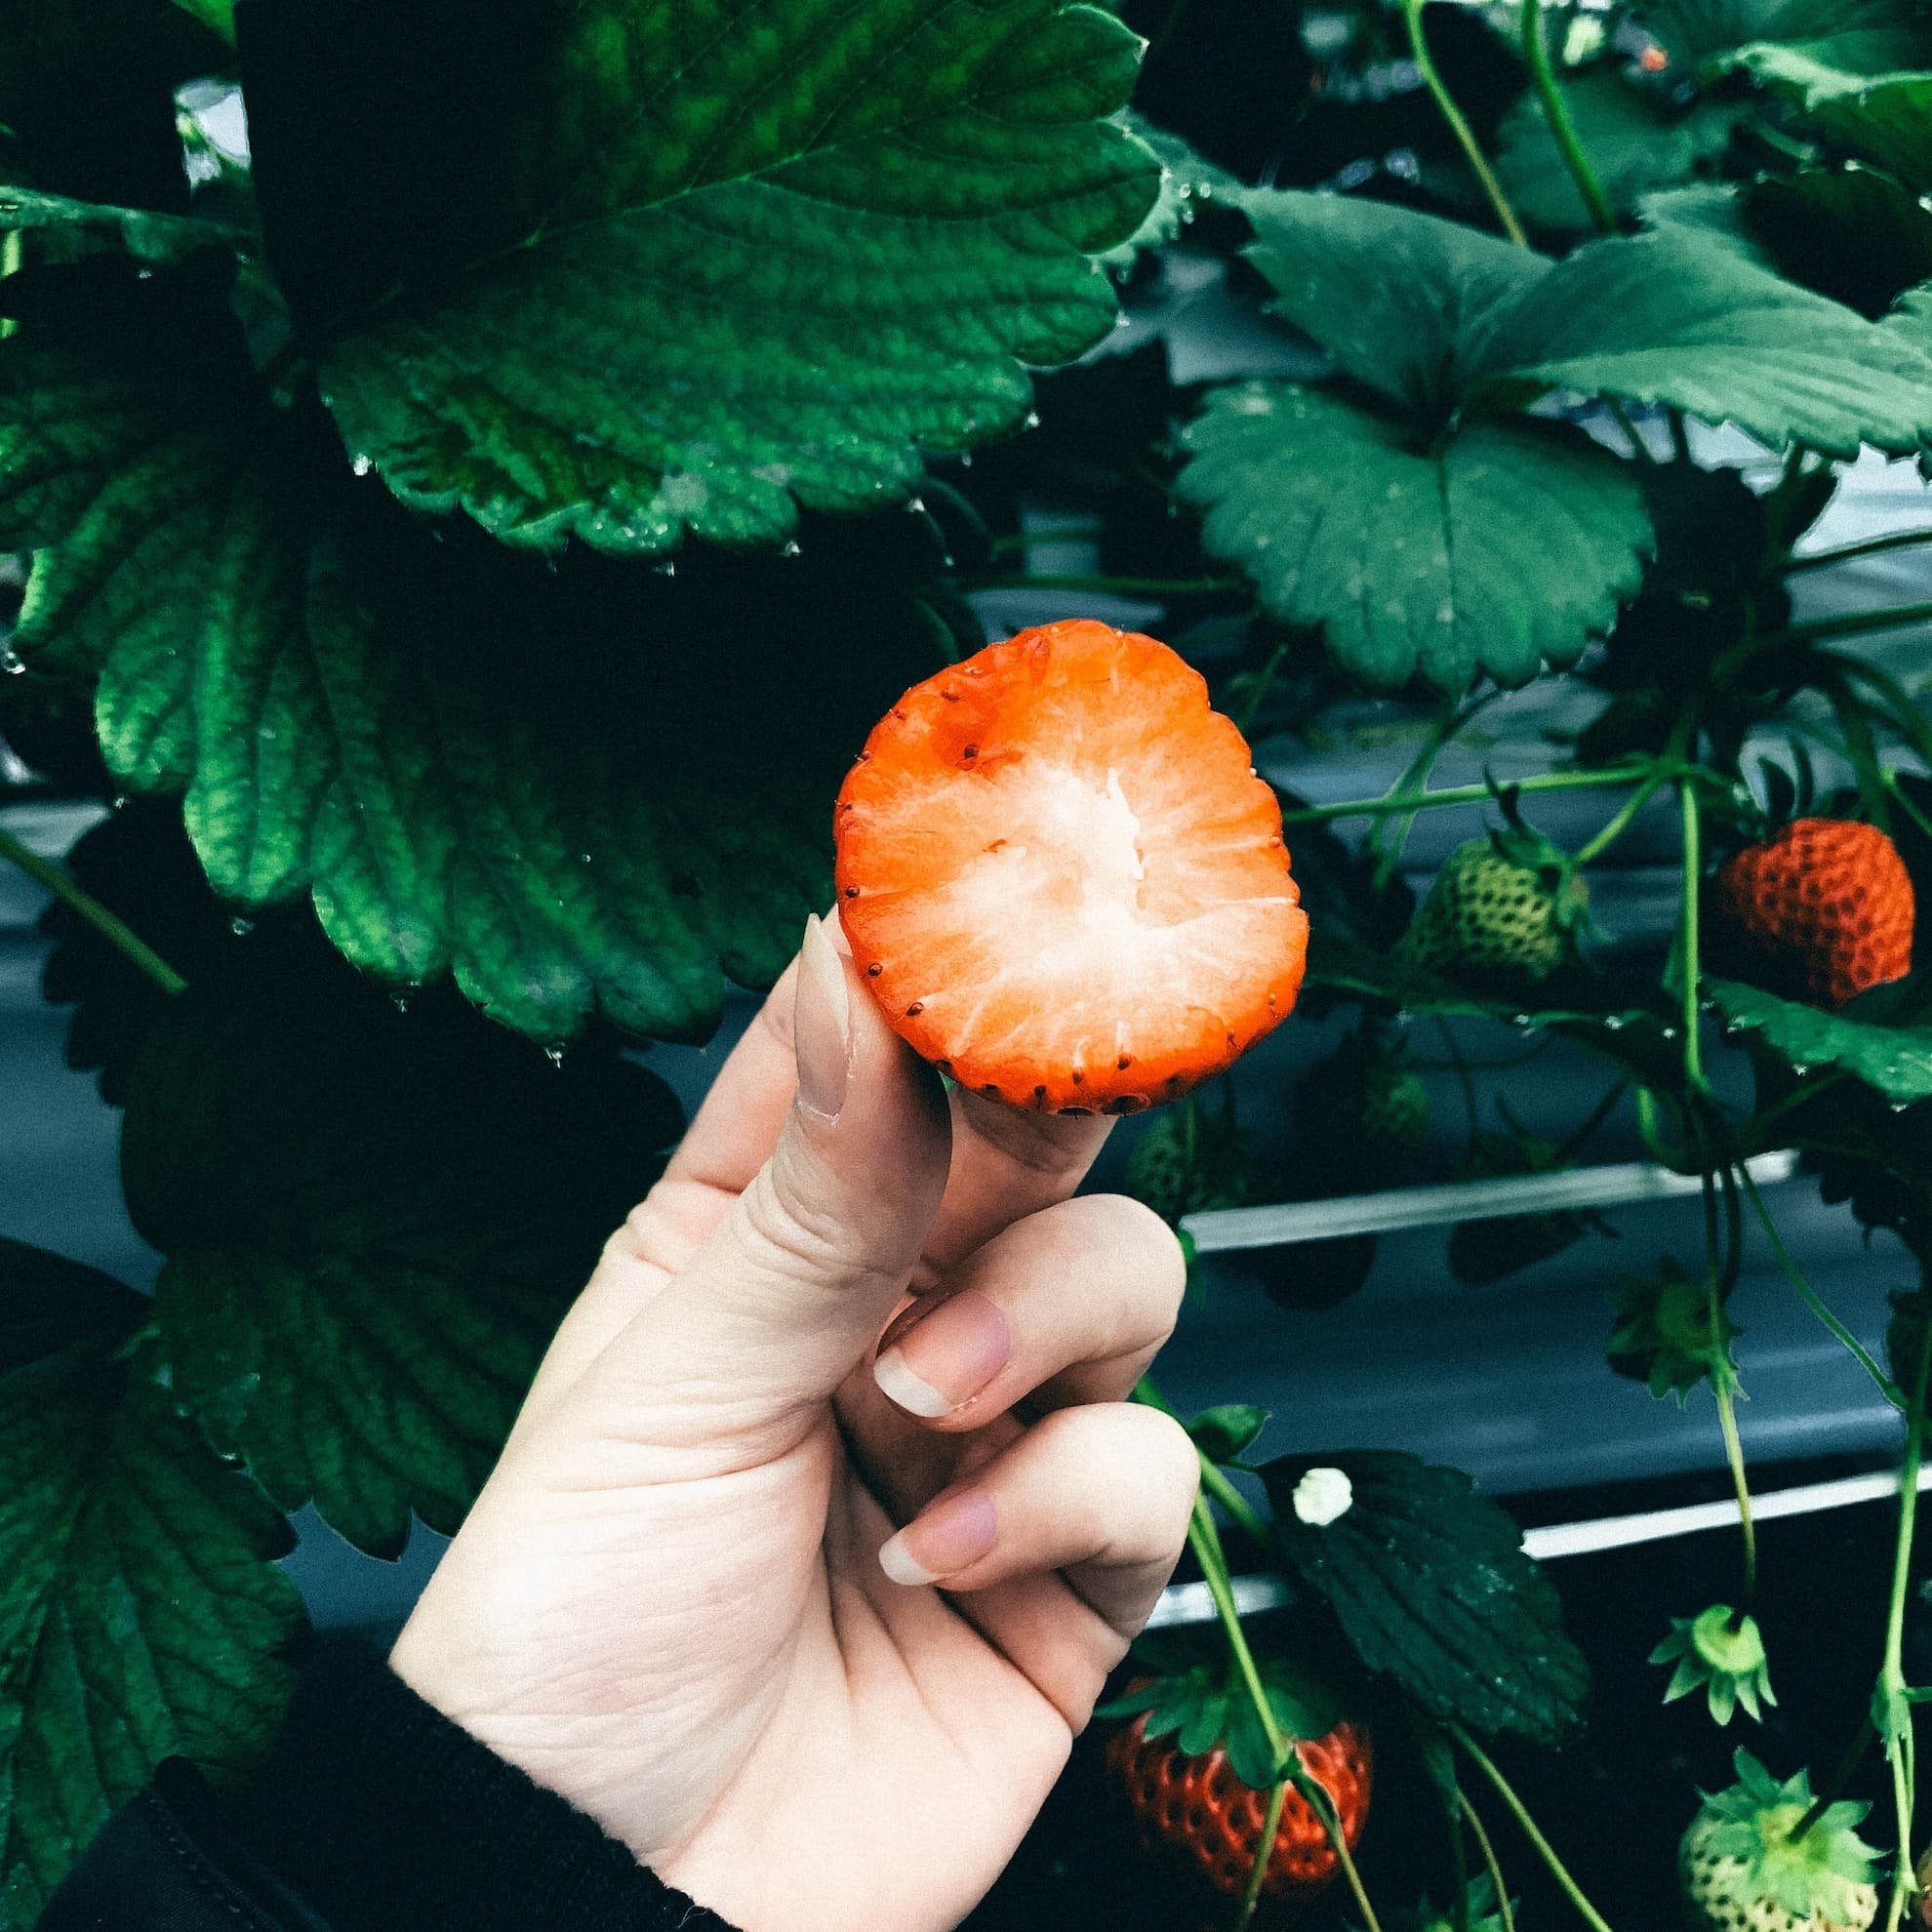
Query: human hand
[[680, 1600]]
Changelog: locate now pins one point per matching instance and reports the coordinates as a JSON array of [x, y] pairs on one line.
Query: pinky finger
[[1101, 1494]]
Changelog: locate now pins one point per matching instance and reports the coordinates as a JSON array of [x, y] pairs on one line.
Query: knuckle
[[796, 1240], [1133, 1233]]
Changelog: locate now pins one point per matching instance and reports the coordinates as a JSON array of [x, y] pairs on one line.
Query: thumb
[[794, 1285]]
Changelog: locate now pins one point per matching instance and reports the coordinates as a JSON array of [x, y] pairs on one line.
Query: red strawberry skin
[[1197, 1807], [1062, 880], [1823, 909]]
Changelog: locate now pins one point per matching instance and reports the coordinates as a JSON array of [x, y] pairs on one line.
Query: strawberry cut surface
[[1061, 877]]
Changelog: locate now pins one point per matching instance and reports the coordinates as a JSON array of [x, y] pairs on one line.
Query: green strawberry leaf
[[144, 235], [625, 270], [1636, 138], [1223, 1433], [1883, 118], [1457, 534], [1850, 232], [1431, 1589], [1498, 549], [1188, 183], [358, 712], [217, 15], [1666, 319], [1396, 297], [1883, 1037], [1866, 36], [141, 1613], [373, 1221]]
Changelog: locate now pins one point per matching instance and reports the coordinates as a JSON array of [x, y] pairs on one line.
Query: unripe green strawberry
[[1743, 1872], [1187, 1160], [1361, 1116], [1504, 911]]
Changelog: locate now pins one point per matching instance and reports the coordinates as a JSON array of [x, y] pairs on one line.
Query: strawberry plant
[[468, 523]]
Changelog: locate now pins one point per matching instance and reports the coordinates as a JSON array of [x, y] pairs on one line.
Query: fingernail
[[947, 1536], [945, 1357], [820, 1022]]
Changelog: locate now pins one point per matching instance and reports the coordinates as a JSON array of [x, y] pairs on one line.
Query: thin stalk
[[1727, 1422], [1277, 1796], [1891, 1673], [114, 931], [1692, 876], [1903, 711], [1459, 126], [1118, 586], [1215, 1482], [1784, 492], [1459, 1858], [1871, 546], [1468, 795], [1862, 1742], [1504, 1910], [1720, 1384], [1391, 842], [1853, 623], [11, 250], [1244, 718], [1543, 1849], [1903, 800], [1621, 416], [1862, 748], [1016, 545], [1562, 130], [1809, 1295], [1595, 848]]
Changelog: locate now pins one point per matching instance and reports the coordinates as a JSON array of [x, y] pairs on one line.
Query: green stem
[[1891, 1672], [1263, 679], [1470, 794], [1810, 1297], [1543, 1849], [1391, 840], [1841, 1777], [1595, 847], [1118, 586], [1720, 1387], [1622, 417], [1562, 129], [1852, 624], [1871, 546], [1727, 1422], [1459, 1858], [1204, 1540], [1016, 545], [1693, 876], [1459, 126], [118, 935], [11, 250], [1903, 711], [1277, 1796], [1504, 1910]]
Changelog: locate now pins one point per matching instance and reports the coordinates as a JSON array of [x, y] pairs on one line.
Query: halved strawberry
[[1062, 877]]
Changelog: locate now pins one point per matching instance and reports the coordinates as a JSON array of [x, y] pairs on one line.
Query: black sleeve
[[374, 1813]]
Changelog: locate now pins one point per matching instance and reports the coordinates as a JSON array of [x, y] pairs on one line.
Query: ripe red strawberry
[[1196, 1806], [1062, 877], [1823, 909]]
